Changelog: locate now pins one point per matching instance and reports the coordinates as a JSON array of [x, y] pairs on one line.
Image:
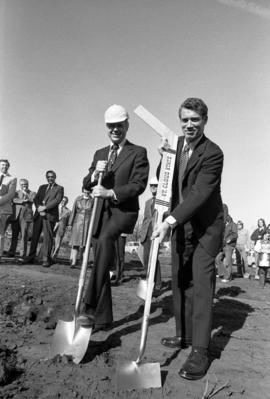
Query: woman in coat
[[257, 237], [79, 222]]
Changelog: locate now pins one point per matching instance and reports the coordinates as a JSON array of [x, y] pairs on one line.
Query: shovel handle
[[86, 252], [150, 285]]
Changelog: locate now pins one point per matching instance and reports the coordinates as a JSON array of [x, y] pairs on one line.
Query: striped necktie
[[1, 179], [113, 156], [183, 160]]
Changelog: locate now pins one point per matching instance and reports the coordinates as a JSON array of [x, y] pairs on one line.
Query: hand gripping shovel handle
[[86, 253]]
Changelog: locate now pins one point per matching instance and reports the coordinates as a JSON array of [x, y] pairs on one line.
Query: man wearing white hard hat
[[147, 230], [125, 168]]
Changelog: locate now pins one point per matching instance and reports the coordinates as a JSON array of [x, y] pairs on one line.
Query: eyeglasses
[[50, 177]]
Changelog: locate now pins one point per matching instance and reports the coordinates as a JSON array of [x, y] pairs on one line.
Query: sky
[[63, 62]]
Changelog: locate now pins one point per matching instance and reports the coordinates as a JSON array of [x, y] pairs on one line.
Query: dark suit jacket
[[51, 199], [23, 209], [202, 204], [128, 179]]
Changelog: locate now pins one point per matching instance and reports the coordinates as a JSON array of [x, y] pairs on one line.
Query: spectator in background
[[264, 259], [61, 225], [147, 230], [242, 246], [257, 237], [79, 222], [7, 193], [46, 215], [22, 217], [229, 242]]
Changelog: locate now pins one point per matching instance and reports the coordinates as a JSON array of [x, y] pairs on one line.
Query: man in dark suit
[[22, 217], [125, 170], [147, 230], [46, 215], [196, 220]]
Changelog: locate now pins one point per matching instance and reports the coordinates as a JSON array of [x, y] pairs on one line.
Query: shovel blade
[[142, 289], [134, 376], [70, 339]]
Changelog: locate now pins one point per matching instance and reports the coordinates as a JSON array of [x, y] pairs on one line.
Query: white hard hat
[[115, 113], [153, 181]]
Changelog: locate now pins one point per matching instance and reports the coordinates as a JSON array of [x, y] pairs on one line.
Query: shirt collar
[[193, 144], [121, 145]]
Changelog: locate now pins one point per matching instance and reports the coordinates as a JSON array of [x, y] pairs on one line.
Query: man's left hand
[[41, 208], [102, 192]]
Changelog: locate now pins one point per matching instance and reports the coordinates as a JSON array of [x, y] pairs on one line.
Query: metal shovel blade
[[132, 375], [70, 339], [142, 289]]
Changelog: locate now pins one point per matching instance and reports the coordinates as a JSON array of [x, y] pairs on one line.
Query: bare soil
[[34, 298]]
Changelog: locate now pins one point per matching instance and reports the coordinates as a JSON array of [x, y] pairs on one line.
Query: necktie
[[113, 156], [1, 179], [153, 205], [183, 160]]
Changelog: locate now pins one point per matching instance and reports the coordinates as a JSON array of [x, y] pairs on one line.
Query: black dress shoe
[[86, 321], [102, 327], [10, 254], [176, 342], [46, 264], [196, 365], [26, 261]]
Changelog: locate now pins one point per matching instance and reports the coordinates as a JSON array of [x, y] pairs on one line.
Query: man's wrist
[[172, 222]]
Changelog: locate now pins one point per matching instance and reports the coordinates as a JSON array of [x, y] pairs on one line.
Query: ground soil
[[34, 298]]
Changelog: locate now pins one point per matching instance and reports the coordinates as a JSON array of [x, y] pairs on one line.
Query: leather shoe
[[196, 365], [175, 342], [10, 254], [102, 327], [26, 261], [46, 264], [86, 321]]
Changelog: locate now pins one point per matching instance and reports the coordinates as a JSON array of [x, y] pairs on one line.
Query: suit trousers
[[193, 285], [19, 225], [47, 226], [120, 257], [98, 297]]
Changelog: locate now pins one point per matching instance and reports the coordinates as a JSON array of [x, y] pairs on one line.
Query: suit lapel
[[124, 154], [196, 154], [49, 192]]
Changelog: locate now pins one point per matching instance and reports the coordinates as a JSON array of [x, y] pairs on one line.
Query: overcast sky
[[63, 62]]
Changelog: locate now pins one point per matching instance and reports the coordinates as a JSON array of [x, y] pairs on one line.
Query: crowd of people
[[203, 234], [245, 250]]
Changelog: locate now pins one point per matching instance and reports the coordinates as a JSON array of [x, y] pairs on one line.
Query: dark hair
[[52, 172], [5, 160], [195, 104], [264, 225], [65, 197]]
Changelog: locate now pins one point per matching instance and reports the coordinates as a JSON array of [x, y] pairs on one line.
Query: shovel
[[134, 374], [142, 286], [70, 338]]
